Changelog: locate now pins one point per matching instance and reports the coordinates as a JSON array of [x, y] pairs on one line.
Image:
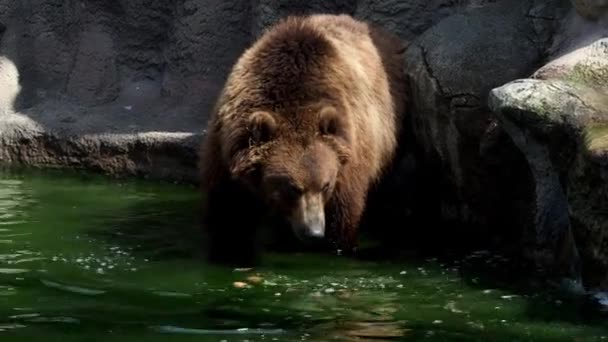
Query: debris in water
[[451, 306], [255, 279], [508, 296], [240, 284], [476, 325]]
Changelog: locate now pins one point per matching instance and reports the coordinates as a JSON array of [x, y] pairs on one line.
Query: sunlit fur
[[313, 106]]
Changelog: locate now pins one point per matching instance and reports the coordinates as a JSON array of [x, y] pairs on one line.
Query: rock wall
[[93, 52], [117, 71], [482, 180]]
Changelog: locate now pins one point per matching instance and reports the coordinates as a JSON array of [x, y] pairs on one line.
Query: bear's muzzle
[[308, 219]]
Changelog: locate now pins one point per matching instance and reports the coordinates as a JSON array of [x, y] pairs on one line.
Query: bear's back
[[376, 90], [342, 53]]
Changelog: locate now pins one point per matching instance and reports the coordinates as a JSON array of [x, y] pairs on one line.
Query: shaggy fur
[[316, 98]]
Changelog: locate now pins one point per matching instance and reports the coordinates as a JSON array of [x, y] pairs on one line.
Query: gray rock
[[268, 12], [560, 123], [452, 67], [155, 155], [409, 19], [591, 9], [587, 65], [9, 78], [96, 58], [164, 60], [532, 112]]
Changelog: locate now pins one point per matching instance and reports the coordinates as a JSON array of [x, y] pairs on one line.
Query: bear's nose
[[309, 233], [309, 219], [316, 230]]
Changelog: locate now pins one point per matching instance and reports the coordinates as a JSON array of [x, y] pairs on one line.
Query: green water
[[84, 258]]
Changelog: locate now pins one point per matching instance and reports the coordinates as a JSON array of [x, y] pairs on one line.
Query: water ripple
[[73, 289], [13, 270], [242, 331]]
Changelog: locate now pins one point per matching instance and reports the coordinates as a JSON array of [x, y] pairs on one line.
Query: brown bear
[[307, 122]]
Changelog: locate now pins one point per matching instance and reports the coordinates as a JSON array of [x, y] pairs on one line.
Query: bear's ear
[[261, 126], [330, 123]]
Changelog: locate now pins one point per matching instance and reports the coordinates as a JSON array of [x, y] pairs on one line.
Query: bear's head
[[293, 161]]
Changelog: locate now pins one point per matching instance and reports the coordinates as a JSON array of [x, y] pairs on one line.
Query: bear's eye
[[262, 126], [325, 187], [328, 124], [292, 191]]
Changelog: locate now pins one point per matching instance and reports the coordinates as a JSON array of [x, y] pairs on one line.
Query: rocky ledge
[[559, 120], [123, 143]]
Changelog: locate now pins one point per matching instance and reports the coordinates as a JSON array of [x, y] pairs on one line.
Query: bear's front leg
[[344, 213], [230, 219]]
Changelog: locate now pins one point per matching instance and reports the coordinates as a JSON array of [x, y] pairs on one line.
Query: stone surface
[[591, 9], [66, 64], [452, 67], [587, 65], [92, 144], [559, 120], [9, 79]]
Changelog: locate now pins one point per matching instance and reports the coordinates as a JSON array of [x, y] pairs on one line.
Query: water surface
[[83, 258]]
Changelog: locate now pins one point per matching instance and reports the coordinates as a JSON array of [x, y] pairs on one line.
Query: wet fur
[[298, 68]]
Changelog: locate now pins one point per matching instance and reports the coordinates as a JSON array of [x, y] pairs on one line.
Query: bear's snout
[[308, 221]]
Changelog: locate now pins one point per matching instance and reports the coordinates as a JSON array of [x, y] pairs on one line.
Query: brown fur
[[318, 98]]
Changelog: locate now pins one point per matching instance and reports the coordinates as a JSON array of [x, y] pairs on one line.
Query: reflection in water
[[14, 201]]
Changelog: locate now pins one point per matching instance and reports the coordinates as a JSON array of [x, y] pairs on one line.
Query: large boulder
[[483, 181], [559, 120]]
